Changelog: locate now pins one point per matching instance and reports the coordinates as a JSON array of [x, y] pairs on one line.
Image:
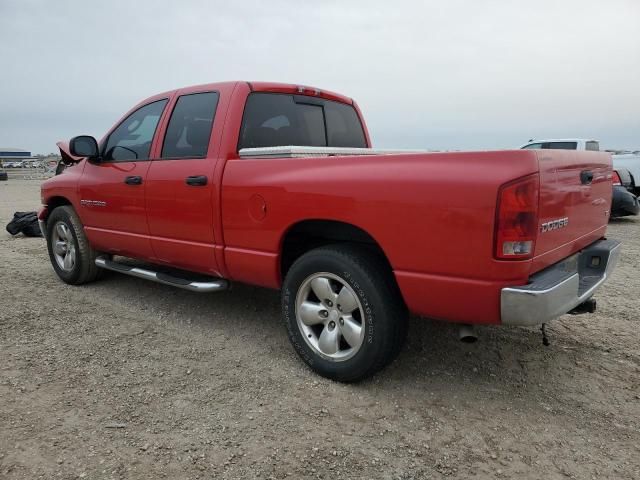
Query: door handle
[[586, 177], [196, 180], [133, 180]]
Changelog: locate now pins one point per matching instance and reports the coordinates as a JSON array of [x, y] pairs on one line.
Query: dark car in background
[[624, 201]]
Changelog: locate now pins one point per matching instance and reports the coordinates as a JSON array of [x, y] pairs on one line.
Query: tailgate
[[575, 201]]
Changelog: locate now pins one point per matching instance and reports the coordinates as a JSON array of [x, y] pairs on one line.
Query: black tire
[[385, 314], [84, 269]]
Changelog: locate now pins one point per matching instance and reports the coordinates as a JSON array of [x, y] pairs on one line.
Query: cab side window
[[189, 128], [131, 140]]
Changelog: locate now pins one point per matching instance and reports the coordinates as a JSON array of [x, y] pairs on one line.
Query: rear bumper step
[[561, 287], [213, 285]]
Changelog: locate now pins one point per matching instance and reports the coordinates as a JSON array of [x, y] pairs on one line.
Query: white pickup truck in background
[[563, 144]]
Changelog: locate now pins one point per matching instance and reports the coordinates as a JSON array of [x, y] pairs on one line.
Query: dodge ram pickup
[[278, 186]]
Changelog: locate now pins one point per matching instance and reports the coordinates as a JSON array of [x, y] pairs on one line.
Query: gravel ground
[[124, 378]]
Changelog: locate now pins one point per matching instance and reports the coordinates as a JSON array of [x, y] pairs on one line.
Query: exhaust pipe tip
[[467, 334]]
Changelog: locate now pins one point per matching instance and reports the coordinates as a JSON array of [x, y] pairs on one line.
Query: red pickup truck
[[277, 185]]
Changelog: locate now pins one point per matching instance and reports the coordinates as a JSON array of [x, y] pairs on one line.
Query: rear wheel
[[343, 312], [71, 256]]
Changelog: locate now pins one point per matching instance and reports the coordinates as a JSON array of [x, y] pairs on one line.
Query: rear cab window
[[560, 145], [275, 119]]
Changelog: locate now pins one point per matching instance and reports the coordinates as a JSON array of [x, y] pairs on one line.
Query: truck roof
[[275, 87], [543, 140]]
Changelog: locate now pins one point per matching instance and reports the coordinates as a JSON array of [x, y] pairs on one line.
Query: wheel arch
[[306, 235], [55, 202]]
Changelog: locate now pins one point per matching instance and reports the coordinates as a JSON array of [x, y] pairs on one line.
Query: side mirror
[[84, 146]]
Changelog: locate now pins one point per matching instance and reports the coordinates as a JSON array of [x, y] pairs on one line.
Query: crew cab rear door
[[181, 191]]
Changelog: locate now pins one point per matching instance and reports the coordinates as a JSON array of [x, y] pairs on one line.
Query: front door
[[181, 194], [112, 191]]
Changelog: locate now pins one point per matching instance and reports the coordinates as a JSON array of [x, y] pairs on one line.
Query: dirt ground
[[124, 378]]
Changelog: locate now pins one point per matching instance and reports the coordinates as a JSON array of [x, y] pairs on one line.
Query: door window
[[131, 140], [189, 128], [532, 146]]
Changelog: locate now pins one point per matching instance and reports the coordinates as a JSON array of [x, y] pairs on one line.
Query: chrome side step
[[215, 285]]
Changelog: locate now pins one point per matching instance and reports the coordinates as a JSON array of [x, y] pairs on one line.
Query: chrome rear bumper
[[560, 288]]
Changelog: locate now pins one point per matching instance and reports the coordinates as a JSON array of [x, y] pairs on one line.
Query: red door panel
[[180, 216], [113, 211]]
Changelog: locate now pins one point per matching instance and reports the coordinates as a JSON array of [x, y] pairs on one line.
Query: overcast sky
[[432, 74]]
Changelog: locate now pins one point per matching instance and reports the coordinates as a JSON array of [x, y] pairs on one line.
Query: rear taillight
[[615, 179], [517, 219]]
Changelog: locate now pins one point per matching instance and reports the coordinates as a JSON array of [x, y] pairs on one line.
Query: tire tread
[[377, 272], [89, 271]]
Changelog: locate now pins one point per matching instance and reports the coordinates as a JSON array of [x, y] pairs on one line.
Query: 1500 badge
[[554, 224]]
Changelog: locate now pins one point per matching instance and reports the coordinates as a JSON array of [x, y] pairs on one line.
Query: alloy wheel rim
[[63, 246], [330, 316]]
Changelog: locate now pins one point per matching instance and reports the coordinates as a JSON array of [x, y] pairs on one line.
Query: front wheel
[[343, 312], [71, 256]]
